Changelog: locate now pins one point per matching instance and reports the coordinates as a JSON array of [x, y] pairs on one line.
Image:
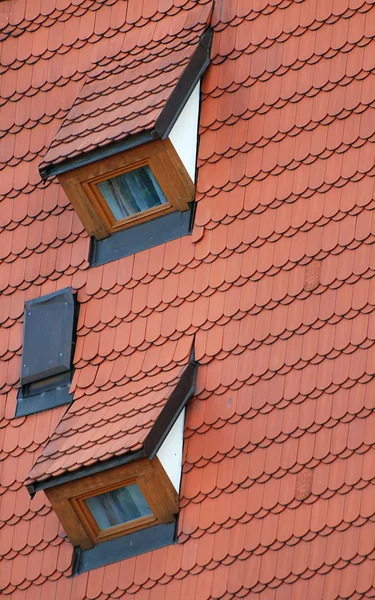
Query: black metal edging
[[167, 118], [98, 154], [188, 80], [171, 411], [117, 461]]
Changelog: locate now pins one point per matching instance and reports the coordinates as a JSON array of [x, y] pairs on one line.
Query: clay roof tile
[[74, 445], [107, 96]]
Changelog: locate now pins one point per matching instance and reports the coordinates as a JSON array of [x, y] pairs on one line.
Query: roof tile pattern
[[275, 284], [114, 416], [130, 81]]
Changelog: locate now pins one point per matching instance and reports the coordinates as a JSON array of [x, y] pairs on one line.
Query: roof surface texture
[[114, 415], [274, 285], [130, 81]]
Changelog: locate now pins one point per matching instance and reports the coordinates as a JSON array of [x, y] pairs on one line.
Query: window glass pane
[[119, 506], [132, 192]]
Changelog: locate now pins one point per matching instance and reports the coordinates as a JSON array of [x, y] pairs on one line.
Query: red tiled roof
[[114, 414], [275, 283], [130, 81]]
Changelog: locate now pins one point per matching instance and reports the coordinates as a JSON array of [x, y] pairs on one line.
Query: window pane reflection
[[119, 506], [132, 192]]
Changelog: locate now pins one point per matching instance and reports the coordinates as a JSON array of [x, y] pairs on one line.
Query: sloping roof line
[[183, 389], [163, 124]]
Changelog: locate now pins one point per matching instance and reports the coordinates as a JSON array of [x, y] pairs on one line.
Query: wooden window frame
[[101, 535], [81, 186], [68, 501]]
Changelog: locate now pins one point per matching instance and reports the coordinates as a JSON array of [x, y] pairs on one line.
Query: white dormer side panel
[[184, 133], [170, 452]]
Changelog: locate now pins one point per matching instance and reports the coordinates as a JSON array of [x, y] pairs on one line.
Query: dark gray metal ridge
[[171, 411], [188, 80], [117, 461], [167, 118], [159, 431]]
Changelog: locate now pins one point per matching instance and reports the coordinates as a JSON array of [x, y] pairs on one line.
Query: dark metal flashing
[[28, 404], [171, 411], [167, 118], [141, 237], [48, 332], [49, 392], [123, 547], [117, 461], [189, 79]]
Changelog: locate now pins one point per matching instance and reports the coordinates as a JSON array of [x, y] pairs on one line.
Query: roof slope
[[126, 90], [115, 414], [275, 283]]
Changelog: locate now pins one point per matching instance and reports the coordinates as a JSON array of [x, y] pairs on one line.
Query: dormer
[[126, 152], [129, 188], [112, 468]]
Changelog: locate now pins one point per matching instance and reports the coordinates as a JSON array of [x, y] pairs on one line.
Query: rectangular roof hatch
[[48, 333]]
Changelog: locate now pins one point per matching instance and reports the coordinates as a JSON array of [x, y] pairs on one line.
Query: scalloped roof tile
[[275, 285], [103, 423], [129, 83]]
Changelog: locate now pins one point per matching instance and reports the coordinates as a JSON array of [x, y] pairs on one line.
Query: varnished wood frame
[[81, 187], [67, 500], [100, 535], [98, 201]]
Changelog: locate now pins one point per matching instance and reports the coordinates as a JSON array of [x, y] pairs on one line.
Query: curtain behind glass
[[132, 192], [119, 506]]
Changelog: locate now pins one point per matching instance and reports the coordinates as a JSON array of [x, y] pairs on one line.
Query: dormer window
[[133, 193], [127, 503], [125, 153], [119, 508], [118, 502], [129, 188]]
